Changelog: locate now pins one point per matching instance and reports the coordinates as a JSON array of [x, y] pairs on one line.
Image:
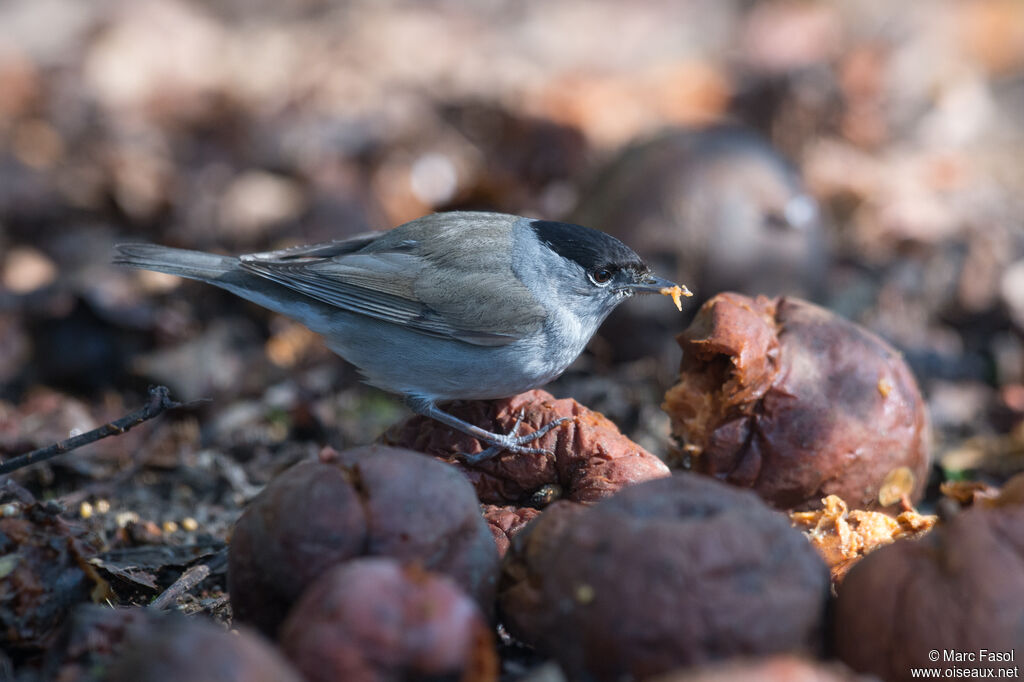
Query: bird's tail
[[226, 272], [192, 264]]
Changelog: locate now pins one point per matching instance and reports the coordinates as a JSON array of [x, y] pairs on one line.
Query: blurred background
[[866, 155]]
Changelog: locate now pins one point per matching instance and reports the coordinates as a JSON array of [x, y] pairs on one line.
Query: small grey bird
[[450, 306]]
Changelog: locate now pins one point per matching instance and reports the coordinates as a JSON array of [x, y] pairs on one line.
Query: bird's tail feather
[[226, 272], [192, 264]]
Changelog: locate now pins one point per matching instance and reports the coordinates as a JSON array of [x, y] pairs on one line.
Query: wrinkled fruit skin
[[797, 403], [667, 573], [375, 619], [505, 522], [592, 459], [198, 651], [371, 501], [960, 587], [43, 574]]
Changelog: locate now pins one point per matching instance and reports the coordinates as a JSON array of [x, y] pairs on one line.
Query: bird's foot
[[512, 442], [497, 442]]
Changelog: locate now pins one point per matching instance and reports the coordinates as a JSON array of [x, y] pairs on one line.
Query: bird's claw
[[514, 443]]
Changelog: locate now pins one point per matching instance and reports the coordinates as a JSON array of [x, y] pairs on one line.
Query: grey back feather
[[445, 275]]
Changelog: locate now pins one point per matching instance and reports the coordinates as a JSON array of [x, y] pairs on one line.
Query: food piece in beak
[[676, 292]]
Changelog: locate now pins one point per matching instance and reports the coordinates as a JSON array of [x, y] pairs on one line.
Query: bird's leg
[[497, 441]]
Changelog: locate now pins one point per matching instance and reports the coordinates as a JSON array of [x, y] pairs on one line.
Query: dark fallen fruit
[[506, 521], [667, 573], [917, 604], [375, 619], [591, 461], [371, 501], [789, 399], [192, 649]]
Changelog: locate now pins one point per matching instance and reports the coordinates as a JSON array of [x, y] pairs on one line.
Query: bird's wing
[[384, 282], [338, 247]]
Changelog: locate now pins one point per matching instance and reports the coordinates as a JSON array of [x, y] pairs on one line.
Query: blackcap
[[450, 306]]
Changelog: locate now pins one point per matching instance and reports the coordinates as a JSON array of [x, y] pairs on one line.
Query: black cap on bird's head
[[588, 247], [604, 258]]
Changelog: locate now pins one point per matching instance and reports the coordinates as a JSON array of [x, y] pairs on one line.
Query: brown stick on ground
[[158, 403], [186, 582]]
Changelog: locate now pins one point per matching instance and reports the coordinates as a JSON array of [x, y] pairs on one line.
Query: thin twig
[[106, 487], [158, 403], [186, 582]]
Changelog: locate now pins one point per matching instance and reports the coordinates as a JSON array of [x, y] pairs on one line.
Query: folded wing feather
[[384, 284]]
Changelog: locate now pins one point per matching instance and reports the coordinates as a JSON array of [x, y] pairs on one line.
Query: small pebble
[[170, 527], [85, 510], [189, 524], [102, 506]]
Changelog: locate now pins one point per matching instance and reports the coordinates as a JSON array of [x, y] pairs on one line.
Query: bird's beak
[[656, 285]]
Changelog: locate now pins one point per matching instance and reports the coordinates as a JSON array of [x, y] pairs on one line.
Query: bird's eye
[[601, 275]]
